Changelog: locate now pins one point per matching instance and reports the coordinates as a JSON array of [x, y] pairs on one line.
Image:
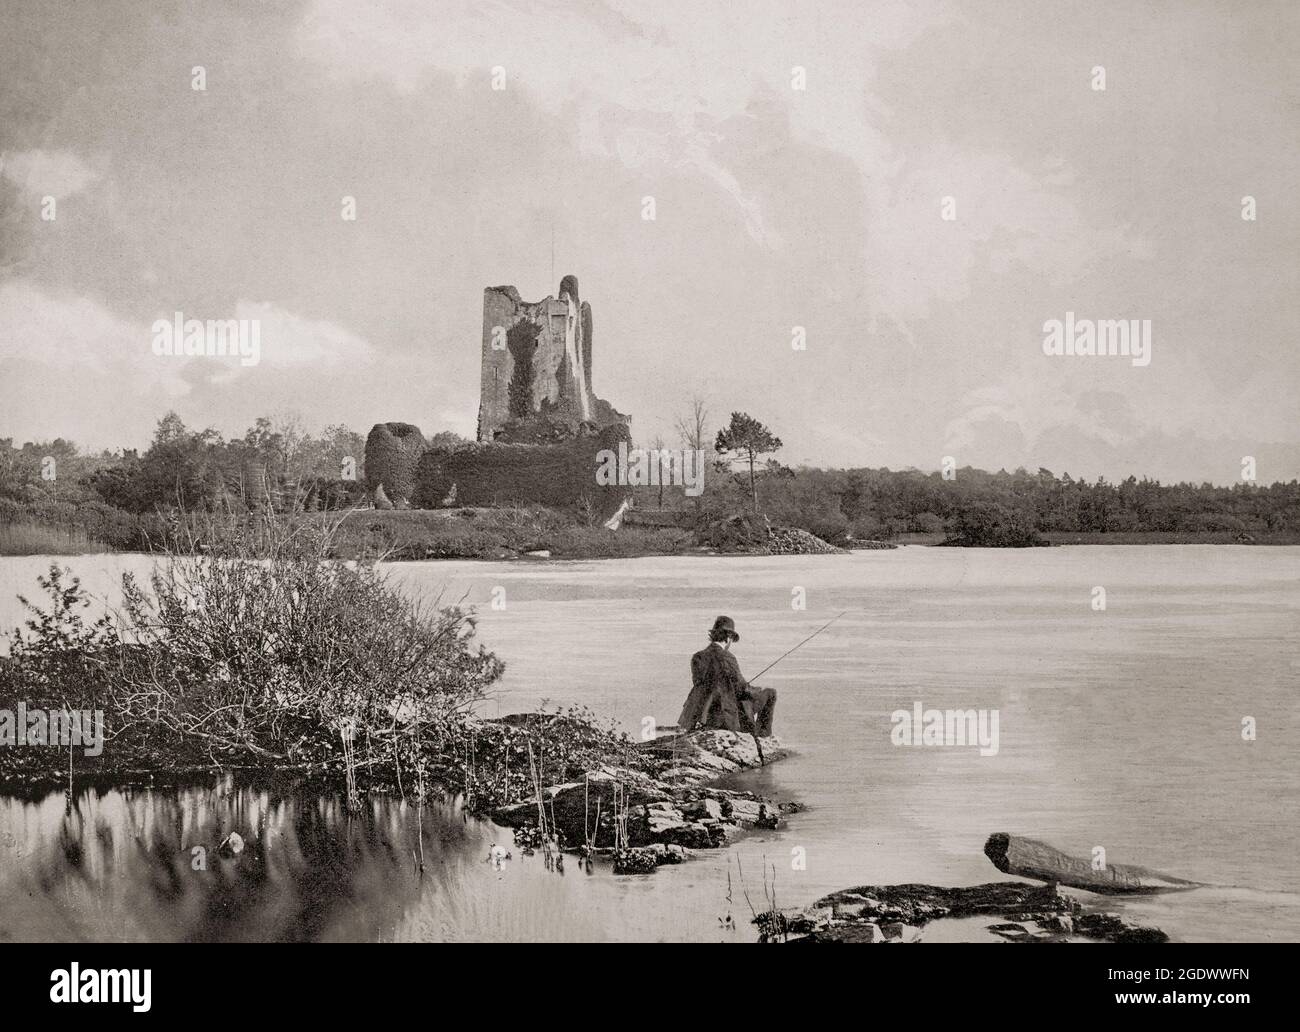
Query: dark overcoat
[[716, 689]]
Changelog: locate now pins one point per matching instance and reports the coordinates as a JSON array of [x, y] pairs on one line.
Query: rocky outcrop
[[899, 913], [646, 819], [753, 534], [793, 541]]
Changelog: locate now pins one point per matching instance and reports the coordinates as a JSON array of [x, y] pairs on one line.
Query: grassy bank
[[505, 533], [1208, 537], [513, 532], [1204, 537]]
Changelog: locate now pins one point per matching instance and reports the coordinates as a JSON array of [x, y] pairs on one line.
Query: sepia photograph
[[608, 471]]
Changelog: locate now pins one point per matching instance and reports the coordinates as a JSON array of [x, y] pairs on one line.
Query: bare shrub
[[274, 655]]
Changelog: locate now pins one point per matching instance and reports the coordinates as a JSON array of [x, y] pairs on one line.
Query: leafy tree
[[449, 440], [750, 440], [990, 525]]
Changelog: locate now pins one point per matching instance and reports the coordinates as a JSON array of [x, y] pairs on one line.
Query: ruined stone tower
[[537, 365]]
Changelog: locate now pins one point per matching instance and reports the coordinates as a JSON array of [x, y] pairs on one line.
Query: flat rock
[[676, 808], [901, 911]]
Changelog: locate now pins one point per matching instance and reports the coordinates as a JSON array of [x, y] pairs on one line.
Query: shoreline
[[658, 799], [703, 551], [662, 803]]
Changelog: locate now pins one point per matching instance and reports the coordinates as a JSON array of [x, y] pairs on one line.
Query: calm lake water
[[1118, 728]]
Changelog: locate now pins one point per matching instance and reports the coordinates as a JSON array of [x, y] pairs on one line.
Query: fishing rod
[[754, 733], [800, 645]]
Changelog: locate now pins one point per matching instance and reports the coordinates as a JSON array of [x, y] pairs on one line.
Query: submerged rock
[[888, 913]]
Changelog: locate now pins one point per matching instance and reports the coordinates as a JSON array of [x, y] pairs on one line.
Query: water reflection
[[146, 864]]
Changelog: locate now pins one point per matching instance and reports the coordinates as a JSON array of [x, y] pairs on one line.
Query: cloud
[[43, 173], [1005, 218], [1032, 421], [659, 80], [58, 350], [72, 368], [291, 341], [70, 333], [669, 85]]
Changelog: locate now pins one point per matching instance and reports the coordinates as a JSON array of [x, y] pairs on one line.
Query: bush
[[261, 659], [1212, 521], [330, 494], [744, 532], [108, 524], [12, 511], [990, 525], [61, 528], [869, 528], [929, 523]]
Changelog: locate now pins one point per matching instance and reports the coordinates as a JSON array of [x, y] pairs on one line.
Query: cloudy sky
[[775, 207]]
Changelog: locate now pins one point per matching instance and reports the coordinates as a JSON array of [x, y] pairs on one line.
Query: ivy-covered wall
[[561, 475]]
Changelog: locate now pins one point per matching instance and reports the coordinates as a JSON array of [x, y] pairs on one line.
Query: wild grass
[[502, 533], [1175, 537], [39, 539]]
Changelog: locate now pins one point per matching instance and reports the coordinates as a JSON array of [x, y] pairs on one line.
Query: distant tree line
[[124, 497], [127, 499], [971, 506], [882, 504]]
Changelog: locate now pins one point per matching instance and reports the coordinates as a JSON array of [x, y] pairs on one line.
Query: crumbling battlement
[[537, 363]]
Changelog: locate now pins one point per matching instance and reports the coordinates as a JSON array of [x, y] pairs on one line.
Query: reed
[[43, 539]]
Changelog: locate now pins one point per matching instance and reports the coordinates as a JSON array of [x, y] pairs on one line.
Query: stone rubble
[[793, 541]]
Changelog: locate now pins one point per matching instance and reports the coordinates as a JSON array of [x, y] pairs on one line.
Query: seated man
[[720, 697]]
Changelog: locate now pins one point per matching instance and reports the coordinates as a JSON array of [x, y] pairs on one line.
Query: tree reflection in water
[[146, 864]]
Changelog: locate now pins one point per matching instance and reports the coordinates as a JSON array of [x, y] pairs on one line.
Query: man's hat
[[725, 623]]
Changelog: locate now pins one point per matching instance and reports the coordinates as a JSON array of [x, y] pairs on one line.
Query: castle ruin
[[541, 428], [536, 379]]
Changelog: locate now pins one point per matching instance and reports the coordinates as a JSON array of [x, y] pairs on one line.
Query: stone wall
[[561, 474]]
